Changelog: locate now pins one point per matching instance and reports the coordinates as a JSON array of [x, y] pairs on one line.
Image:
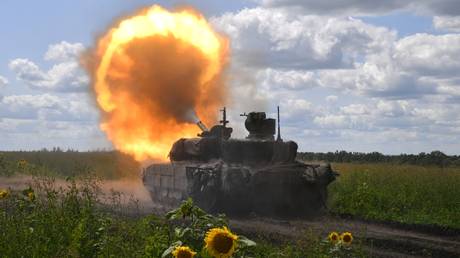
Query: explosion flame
[[152, 74]]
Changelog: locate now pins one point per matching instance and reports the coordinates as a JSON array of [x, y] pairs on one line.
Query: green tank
[[256, 175]]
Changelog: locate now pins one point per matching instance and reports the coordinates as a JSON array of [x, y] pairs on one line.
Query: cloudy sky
[[356, 75]]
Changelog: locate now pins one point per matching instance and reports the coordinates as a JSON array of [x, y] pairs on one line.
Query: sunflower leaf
[[245, 242], [171, 248]]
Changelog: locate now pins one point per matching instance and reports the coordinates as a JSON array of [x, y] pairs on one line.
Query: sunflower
[[31, 196], [346, 238], [29, 193], [183, 252], [220, 242], [334, 237], [4, 193], [22, 164]]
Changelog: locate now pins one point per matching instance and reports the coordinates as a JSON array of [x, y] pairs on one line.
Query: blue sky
[[29, 27], [355, 77], [406, 23]]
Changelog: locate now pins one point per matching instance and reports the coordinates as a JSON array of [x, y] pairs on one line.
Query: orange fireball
[[152, 73]]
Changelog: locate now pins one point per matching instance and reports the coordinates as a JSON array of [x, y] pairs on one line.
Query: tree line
[[434, 158]]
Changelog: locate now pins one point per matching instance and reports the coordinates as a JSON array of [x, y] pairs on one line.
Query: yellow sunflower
[[334, 237], [346, 238], [31, 196], [4, 193], [220, 242], [22, 164], [183, 252]]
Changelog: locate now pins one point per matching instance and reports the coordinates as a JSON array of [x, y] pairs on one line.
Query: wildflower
[[4, 193], [29, 193], [22, 164], [334, 237], [31, 196], [346, 238], [220, 242], [183, 252]]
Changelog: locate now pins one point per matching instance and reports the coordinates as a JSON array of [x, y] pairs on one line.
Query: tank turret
[[257, 174], [259, 127]]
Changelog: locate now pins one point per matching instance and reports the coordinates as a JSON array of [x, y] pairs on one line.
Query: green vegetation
[[57, 163], [401, 193], [434, 158], [71, 221]]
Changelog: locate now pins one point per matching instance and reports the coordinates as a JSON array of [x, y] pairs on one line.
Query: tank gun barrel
[[202, 126]]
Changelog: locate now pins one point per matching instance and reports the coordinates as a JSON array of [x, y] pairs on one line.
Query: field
[[105, 164], [401, 193], [76, 220], [68, 218]]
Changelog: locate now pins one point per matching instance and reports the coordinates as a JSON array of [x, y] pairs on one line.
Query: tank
[[256, 175]]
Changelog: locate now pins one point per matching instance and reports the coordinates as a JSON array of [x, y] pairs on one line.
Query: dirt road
[[380, 240]]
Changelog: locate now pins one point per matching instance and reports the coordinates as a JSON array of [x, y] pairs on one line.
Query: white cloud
[[384, 137], [426, 54], [31, 134], [3, 81], [286, 79], [440, 7], [339, 6], [34, 102], [355, 109], [412, 67], [366, 7], [64, 51], [66, 75], [276, 38], [393, 126], [29, 72], [331, 98], [392, 108], [47, 120], [331, 121], [294, 110], [447, 23], [47, 107], [289, 51]]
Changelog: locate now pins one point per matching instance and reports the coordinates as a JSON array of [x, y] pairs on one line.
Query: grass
[[71, 221], [67, 223], [401, 193], [105, 164], [381, 191]]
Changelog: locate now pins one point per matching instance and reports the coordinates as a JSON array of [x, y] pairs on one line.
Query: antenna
[[278, 138], [224, 120]]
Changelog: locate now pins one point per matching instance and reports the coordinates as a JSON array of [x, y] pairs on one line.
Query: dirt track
[[380, 240]]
